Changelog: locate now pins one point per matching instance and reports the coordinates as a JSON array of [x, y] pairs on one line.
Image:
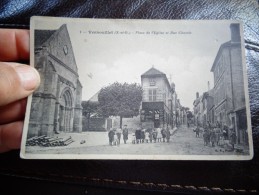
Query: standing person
[[142, 136], [118, 133], [111, 136], [225, 132], [125, 133], [115, 138], [233, 137], [213, 137], [163, 132], [159, 135], [146, 136], [218, 124], [218, 134], [167, 132], [208, 124], [138, 135], [207, 135], [197, 131], [154, 134], [150, 135], [133, 138]]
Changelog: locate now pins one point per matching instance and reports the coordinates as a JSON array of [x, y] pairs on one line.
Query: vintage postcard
[[138, 89]]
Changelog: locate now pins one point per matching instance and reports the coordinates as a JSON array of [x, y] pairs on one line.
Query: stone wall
[[95, 124]]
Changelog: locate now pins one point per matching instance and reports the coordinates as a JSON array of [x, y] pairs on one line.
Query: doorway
[[65, 111]]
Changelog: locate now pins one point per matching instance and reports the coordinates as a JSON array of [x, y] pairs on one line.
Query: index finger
[[14, 44]]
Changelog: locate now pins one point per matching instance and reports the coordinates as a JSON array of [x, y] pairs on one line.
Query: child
[[159, 135], [116, 141], [133, 138], [146, 136]]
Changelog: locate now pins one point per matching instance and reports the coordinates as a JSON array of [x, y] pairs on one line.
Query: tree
[[189, 115], [120, 99], [89, 108]]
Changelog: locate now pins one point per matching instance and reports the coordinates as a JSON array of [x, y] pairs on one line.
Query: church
[[56, 105]]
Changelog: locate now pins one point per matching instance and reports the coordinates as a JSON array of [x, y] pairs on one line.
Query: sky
[[122, 50]]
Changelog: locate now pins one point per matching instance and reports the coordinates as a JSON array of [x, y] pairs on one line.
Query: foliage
[[189, 114], [89, 108], [120, 99]]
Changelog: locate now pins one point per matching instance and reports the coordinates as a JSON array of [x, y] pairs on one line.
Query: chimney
[[173, 87], [197, 95], [208, 85], [235, 32]]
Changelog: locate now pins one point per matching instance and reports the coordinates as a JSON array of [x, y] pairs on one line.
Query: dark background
[[139, 177]]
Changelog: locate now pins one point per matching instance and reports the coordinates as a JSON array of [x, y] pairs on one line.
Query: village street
[[182, 142]]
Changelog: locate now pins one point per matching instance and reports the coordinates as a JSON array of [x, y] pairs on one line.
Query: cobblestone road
[[183, 142]]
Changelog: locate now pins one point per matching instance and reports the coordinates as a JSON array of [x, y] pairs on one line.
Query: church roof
[[59, 47], [153, 72]]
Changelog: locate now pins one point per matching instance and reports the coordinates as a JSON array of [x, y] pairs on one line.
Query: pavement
[[182, 142]]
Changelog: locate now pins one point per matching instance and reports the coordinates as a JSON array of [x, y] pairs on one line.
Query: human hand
[[17, 81]]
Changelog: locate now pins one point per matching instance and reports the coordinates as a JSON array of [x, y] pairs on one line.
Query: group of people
[[216, 135], [139, 136], [115, 135], [150, 135]]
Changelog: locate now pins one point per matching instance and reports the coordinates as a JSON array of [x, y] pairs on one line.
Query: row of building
[[160, 107], [225, 104]]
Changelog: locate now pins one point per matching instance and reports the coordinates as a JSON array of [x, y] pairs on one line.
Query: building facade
[[157, 108], [198, 110], [208, 108], [229, 94], [56, 105], [203, 107]]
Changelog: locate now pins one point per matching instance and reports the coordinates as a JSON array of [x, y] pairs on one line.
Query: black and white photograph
[[138, 89]]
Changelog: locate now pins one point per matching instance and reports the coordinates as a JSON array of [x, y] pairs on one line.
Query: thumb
[[17, 81]]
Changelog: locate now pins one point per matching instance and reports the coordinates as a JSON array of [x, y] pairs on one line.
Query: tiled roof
[[152, 71], [94, 98]]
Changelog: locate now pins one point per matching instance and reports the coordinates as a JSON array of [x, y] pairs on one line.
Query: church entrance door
[[65, 111]]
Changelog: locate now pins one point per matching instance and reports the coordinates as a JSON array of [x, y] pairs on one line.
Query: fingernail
[[29, 76]]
